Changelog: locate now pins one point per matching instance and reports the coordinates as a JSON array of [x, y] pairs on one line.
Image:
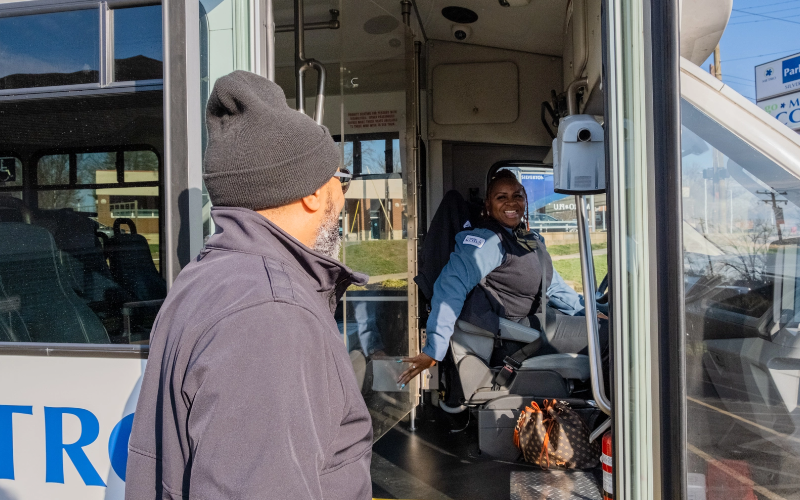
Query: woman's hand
[[419, 363]]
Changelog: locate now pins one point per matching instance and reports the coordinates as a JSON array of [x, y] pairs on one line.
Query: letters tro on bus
[[692, 239]]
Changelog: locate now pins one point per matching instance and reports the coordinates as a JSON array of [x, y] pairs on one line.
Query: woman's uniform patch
[[474, 241]]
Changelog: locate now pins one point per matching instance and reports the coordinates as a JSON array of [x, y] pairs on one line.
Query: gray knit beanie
[[261, 153]]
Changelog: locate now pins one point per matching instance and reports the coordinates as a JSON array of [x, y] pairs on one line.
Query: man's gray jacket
[[249, 392]]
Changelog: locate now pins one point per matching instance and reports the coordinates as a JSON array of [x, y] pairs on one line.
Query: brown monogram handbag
[[555, 436]]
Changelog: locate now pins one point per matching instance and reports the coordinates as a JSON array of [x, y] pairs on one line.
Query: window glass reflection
[[138, 44], [741, 235], [77, 200], [52, 170], [140, 166], [43, 50], [80, 253], [96, 168]]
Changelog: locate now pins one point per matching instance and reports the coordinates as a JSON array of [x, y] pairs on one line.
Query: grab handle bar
[[590, 301], [301, 64], [587, 276]]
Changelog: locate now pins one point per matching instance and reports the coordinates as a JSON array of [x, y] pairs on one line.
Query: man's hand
[[419, 363]]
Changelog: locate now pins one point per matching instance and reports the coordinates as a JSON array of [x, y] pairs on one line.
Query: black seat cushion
[[132, 264], [75, 234]]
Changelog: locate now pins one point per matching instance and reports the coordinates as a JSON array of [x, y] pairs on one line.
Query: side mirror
[[579, 158]]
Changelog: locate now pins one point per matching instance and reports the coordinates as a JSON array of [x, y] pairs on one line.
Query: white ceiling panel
[[536, 28]]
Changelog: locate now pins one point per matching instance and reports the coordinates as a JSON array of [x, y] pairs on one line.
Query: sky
[[137, 31], [59, 42], [65, 42], [759, 31]]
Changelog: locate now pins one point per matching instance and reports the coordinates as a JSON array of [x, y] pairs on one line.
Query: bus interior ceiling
[[485, 90], [481, 104]]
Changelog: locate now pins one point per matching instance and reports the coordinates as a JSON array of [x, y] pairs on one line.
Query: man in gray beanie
[[249, 391]]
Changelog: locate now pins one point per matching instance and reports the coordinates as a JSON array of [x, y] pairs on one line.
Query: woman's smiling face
[[506, 203]]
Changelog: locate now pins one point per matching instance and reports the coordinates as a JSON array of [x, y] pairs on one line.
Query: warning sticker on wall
[[372, 119]]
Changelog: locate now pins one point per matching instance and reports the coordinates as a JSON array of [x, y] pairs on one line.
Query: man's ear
[[313, 202]]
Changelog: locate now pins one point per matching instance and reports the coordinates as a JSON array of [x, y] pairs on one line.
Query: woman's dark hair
[[500, 176]]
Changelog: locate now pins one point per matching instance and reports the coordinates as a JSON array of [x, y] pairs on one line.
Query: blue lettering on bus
[[118, 445], [792, 116], [55, 446], [7, 438], [794, 103]]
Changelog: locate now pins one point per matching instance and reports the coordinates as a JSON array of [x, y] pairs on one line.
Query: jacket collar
[[524, 237], [246, 231]]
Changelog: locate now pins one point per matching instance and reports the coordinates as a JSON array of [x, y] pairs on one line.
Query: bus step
[[555, 485]]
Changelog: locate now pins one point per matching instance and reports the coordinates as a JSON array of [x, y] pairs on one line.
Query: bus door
[[741, 223], [703, 243], [367, 58]]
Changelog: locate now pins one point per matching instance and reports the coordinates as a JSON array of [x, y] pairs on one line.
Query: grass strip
[[570, 270], [572, 248], [377, 257]]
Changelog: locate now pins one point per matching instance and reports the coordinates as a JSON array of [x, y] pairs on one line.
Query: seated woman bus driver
[[501, 258]]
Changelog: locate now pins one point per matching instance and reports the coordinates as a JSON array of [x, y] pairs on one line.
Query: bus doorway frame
[[641, 57]]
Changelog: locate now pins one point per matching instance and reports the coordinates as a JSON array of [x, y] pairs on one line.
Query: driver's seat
[[546, 376]]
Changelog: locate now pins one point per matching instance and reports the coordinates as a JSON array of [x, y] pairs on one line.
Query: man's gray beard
[[328, 240]]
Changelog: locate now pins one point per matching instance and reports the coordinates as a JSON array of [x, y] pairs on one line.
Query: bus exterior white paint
[[61, 428]]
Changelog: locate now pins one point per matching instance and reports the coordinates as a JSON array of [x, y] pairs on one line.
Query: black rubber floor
[[434, 463]]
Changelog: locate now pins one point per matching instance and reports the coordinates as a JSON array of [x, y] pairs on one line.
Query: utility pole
[[778, 211], [716, 68], [720, 185]]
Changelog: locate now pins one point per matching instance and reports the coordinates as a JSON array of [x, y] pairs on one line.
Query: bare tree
[[53, 170], [141, 161], [747, 252]]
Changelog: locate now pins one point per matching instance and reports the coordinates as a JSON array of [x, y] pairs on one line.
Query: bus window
[[108, 235], [10, 175], [53, 170], [81, 176], [137, 44], [741, 234], [54, 49], [136, 163]]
